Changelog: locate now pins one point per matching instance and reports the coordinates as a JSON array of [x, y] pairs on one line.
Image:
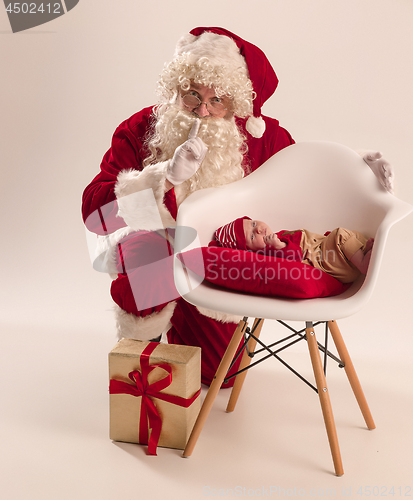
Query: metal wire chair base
[[281, 345]]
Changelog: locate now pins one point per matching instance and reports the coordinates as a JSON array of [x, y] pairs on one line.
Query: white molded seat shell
[[314, 185]]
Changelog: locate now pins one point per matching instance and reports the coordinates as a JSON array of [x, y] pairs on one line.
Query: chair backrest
[[313, 185]]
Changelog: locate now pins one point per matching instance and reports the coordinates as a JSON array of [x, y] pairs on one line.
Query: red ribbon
[[150, 418]]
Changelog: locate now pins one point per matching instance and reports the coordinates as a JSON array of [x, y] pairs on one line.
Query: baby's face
[[257, 234]]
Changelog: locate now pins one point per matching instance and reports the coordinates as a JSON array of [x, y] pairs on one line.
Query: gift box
[[154, 393]]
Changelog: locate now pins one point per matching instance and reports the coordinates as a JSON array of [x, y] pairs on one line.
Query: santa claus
[[207, 130]]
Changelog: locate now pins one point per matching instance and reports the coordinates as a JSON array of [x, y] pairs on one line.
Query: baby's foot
[[364, 265], [369, 245], [361, 261]]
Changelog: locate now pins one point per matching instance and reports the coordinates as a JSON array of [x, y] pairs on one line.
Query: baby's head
[[244, 234]]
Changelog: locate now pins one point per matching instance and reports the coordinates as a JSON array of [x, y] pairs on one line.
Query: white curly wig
[[214, 61]]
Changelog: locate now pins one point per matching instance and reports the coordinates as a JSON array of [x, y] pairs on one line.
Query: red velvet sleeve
[[99, 207]]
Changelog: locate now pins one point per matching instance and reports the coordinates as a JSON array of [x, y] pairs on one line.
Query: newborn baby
[[342, 253]]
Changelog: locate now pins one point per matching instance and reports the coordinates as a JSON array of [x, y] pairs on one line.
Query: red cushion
[[259, 274]]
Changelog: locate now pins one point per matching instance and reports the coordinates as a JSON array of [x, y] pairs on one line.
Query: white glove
[[187, 157], [381, 168]]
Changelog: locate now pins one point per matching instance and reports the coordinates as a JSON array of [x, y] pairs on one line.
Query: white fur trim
[[220, 50], [255, 126], [218, 316], [186, 40], [140, 198], [143, 328]]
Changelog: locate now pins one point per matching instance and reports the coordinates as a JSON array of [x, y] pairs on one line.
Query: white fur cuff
[[140, 198], [143, 328]]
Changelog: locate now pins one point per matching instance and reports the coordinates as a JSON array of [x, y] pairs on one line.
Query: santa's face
[[223, 162], [204, 102]]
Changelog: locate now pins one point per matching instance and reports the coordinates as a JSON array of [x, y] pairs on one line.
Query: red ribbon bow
[[149, 418]]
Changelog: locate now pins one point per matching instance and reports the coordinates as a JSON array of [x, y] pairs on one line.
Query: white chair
[[314, 185]]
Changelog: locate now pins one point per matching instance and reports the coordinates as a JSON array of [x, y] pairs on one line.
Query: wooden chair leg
[[324, 399], [351, 374], [215, 386], [245, 361]]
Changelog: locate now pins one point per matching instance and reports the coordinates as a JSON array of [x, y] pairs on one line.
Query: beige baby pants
[[332, 253]]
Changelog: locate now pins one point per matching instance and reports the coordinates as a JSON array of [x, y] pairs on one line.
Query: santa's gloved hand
[[381, 168], [187, 157]]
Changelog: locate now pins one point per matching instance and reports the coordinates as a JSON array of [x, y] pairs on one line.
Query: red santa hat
[[232, 235], [235, 67], [263, 77]]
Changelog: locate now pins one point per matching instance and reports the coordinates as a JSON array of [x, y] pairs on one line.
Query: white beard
[[226, 146]]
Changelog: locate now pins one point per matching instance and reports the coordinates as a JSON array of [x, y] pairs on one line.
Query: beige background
[[345, 70]]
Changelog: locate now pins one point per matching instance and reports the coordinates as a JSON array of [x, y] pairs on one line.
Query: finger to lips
[[194, 129]]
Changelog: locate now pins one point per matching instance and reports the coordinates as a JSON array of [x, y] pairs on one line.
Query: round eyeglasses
[[214, 107]]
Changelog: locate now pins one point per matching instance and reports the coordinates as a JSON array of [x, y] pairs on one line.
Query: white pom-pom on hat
[[255, 126]]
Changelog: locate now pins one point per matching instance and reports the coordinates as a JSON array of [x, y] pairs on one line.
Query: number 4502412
[[32, 8]]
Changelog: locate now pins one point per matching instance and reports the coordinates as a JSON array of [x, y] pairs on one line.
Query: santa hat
[[232, 65], [232, 235]]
